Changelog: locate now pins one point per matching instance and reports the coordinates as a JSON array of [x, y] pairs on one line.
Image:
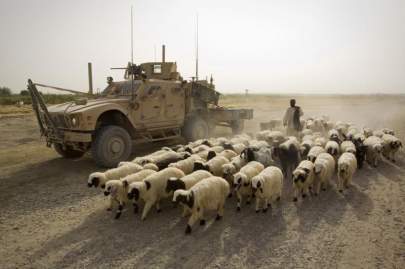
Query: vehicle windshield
[[121, 88]]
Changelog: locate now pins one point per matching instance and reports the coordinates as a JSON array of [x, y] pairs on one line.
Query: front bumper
[[69, 136]]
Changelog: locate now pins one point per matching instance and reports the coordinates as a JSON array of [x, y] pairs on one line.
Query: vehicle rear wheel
[[196, 128], [68, 152], [111, 145], [237, 127]]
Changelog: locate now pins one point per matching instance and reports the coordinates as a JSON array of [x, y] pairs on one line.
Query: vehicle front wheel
[[237, 127], [196, 128], [112, 144], [68, 152]]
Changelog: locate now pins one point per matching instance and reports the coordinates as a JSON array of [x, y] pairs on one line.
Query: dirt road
[[50, 219]]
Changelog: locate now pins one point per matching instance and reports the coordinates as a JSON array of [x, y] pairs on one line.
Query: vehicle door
[[151, 102], [175, 103]]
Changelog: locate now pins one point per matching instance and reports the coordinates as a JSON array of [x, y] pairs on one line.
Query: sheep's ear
[[125, 183], [148, 185], [211, 154], [259, 184]]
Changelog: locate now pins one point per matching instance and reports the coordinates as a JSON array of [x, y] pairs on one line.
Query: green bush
[[4, 91]]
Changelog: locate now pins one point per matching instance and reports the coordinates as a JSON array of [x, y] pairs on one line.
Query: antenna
[[132, 37], [154, 47], [196, 50]]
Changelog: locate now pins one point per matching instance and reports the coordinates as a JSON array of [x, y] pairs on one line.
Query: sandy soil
[[50, 219]]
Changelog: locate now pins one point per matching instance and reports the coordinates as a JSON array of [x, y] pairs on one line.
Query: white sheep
[[367, 132], [320, 141], [324, 168], [348, 146], [258, 144], [306, 146], [163, 160], [187, 165], [227, 153], [153, 188], [267, 186], [100, 178], [374, 146], [145, 159], [242, 181], [214, 166], [332, 147], [208, 194], [334, 135], [388, 131], [262, 155], [314, 152], [391, 145], [347, 166], [303, 178], [231, 168], [378, 133], [238, 148], [118, 190], [185, 183]]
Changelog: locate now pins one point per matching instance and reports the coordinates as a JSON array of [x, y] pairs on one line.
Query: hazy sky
[[302, 46]]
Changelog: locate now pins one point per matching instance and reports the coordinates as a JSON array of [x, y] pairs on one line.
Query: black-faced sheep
[[374, 149], [153, 188], [314, 152], [391, 145], [303, 178], [267, 186], [100, 178], [214, 166], [186, 165], [289, 155], [242, 181], [208, 194]]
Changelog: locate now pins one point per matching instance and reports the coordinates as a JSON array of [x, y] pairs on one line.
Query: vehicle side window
[[157, 69], [153, 90]]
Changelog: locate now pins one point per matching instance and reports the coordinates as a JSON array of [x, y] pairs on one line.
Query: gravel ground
[[50, 219]]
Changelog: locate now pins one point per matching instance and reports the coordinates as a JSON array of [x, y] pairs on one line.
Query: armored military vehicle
[[153, 103]]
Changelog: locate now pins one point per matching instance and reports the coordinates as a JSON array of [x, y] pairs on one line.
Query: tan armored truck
[[152, 104]]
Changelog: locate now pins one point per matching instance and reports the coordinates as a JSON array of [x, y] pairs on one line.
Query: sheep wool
[[303, 178], [208, 194], [314, 152], [332, 147], [347, 166], [214, 166], [348, 146], [267, 186], [391, 145], [242, 181], [100, 178], [324, 168], [374, 146], [153, 188], [186, 165]]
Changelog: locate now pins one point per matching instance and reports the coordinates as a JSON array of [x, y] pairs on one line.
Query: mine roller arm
[[45, 122]]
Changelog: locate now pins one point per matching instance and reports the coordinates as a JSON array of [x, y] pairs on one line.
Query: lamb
[[391, 145], [267, 187], [99, 178], [374, 149], [333, 149], [163, 160], [347, 165], [242, 181], [186, 165], [324, 168], [347, 146], [303, 178], [314, 152], [118, 190], [289, 155], [263, 155], [208, 194], [320, 141], [153, 188], [231, 168], [238, 148], [214, 165]]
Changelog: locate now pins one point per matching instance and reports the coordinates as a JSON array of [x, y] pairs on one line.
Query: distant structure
[[246, 92]]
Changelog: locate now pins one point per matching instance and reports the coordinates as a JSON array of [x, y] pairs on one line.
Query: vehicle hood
[[73, 107]]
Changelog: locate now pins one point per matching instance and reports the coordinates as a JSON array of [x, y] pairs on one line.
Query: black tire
[[111, 145], [195, 128], [68, 152], [237, 127]]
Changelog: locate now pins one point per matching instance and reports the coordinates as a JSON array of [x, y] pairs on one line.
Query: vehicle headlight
[[75, 121]]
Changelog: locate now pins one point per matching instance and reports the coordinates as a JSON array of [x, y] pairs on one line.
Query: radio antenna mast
[[132, 56], [196, 50]]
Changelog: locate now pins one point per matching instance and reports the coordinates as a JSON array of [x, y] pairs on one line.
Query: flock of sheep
[[202, 174]]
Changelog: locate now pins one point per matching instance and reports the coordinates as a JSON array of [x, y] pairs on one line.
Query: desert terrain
[[49, 218]]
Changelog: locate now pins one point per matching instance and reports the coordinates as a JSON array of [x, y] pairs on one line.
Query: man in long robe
[[292, 119]]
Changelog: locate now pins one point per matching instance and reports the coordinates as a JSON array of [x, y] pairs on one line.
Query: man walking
[[292, 119]]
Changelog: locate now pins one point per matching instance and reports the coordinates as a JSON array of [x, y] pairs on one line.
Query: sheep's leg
[[110, 204], [185, 211], [305, 192], [136, 207], [119, 211], [248, 199], [296, 192], [266, 205], [375, 161], [239, 197], [158, 209], [340, 183], [146, 208], [257, 204], [318, 187], [193, 218], [220, 213]]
